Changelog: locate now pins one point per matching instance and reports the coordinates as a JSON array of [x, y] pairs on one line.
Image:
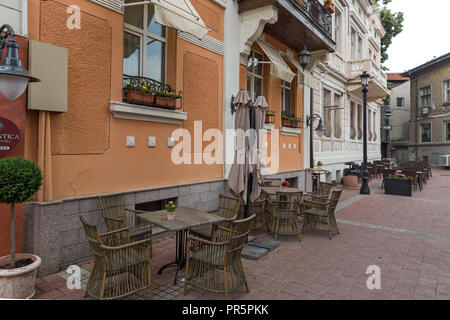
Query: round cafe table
[[315, 174]]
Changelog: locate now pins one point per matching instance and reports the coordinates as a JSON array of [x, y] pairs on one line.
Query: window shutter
[[111, 4]]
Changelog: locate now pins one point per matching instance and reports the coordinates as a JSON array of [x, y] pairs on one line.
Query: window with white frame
[[425, 132], [286, 98], [400, 102], [337, 116], [360, 47], [425, 96], [447, 91], [353, 44], [255, 75], [144, 49], [326, 111], [337, 31]]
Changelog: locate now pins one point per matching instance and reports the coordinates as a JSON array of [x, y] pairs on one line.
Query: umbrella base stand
[[257, 248]]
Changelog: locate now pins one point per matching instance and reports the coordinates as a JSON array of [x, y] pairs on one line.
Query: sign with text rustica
[[9, 135]]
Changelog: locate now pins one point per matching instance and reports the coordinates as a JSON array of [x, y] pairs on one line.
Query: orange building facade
[[104, 144]]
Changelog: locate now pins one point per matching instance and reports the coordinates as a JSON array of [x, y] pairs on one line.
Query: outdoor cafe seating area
[[208, 245]]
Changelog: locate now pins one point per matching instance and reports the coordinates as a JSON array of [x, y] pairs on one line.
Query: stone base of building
[[53, 231]]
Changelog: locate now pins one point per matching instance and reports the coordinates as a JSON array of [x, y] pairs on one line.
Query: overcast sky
[[424, 36]]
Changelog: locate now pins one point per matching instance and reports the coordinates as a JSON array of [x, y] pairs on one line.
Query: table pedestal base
[[180, 255]]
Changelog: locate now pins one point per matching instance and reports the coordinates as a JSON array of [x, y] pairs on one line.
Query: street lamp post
[[365, 179]]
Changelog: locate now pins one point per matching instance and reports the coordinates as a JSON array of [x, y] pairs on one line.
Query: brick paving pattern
[[407, 237]]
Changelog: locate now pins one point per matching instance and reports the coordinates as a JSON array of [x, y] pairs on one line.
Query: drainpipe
[[416, 124]]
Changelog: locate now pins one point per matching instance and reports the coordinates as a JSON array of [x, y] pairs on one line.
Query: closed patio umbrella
[[259, 113], [240, 170]]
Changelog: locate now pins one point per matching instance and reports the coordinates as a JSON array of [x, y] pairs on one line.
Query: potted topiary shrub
[[319, 165], [19, 180]]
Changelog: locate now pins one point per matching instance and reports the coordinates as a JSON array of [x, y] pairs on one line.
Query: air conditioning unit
[[445, 160], [424, 111]]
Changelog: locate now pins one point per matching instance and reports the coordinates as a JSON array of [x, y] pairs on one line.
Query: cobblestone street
[[408, 238]]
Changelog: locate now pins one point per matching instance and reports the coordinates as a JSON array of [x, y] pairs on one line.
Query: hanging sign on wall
[[9, 135]]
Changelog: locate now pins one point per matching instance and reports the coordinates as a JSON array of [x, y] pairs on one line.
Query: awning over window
[[278, 67], [307, 78], [181, 15]]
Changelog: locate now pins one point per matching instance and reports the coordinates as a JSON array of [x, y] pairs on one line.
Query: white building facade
[[357, 31]]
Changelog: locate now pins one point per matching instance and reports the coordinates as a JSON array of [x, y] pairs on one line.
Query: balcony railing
[[357, 67], [316, 12]]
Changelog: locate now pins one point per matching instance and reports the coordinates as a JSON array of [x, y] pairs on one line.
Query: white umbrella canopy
[[240, 170], [259, 111]]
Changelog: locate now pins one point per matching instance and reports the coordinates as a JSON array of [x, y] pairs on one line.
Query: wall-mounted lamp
[[13, 77], [233, 107], [320, 128]]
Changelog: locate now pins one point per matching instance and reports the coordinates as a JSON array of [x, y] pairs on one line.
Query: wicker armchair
[[271, 182], [321, 211], [121, 267], [116, 216], [217, 266], [284, 213], [228, 208], [417, 178]]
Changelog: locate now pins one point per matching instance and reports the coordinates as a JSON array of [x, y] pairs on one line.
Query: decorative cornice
[[252, 25]]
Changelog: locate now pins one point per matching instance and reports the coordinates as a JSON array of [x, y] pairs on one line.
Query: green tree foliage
[[392, 23], [19, 180]]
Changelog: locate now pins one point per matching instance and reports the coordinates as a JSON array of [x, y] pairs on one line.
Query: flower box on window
[[285, 122], [329, 6], [134, 96], [270, 117], [149, 92], [289, 121]]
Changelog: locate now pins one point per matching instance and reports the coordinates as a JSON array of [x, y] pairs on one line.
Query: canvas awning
[[278, 67], [178, 14], [307, 78]]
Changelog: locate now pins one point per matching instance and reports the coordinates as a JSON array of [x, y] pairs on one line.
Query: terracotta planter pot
[[136, 97], [329, 8], [295, 124], [148, 99], [171, 103], [350, 182], [18, 283], [161, 101], [286, 123], [270, 118]]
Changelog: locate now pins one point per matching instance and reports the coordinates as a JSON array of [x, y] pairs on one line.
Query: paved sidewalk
[[407, 237]]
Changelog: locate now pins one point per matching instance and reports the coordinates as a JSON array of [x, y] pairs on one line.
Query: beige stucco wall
[[439, 113]]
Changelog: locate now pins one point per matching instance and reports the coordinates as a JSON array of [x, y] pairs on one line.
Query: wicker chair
[[284, 213], [271, 182], [116, 216], [228, 208], [121, 267], [321, 211], [217, 266], [417, 178], [323, 189]]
